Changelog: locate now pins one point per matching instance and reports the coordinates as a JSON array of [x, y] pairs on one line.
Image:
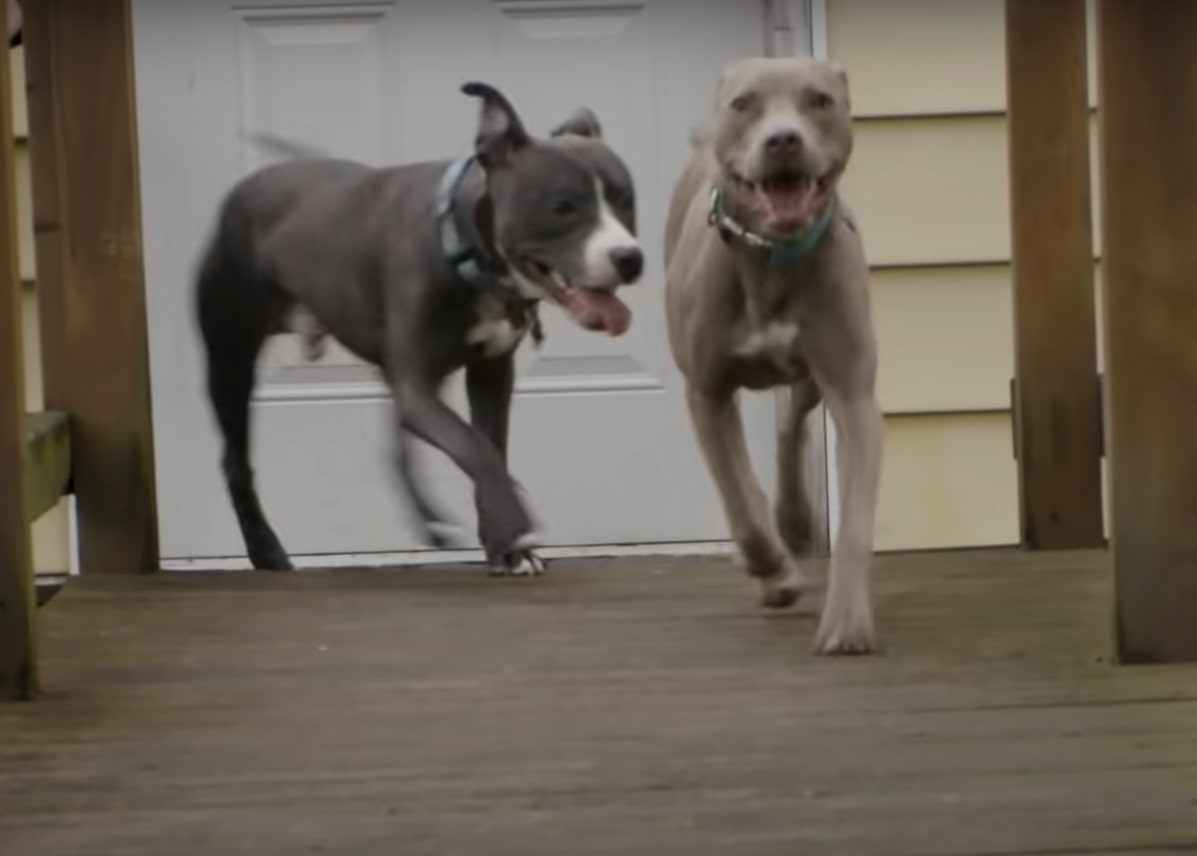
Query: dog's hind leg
[[792, 511], [720, 433], [490, 383], [235, 316]]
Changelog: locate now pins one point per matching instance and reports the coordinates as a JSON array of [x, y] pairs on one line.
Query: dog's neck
[[467, 235], [777, 253], [472, 217]]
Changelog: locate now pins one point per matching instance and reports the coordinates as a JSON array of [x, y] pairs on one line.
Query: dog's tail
[[284, 147]]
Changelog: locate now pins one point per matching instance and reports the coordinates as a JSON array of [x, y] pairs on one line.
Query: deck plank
[[631, 707]]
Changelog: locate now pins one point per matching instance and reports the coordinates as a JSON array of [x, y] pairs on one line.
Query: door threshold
[[417, 558]]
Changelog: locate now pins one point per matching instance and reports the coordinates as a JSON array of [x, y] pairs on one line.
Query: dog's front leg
[[504, 522], [436, 527], [720, 433], [846, 626], [490, 383]]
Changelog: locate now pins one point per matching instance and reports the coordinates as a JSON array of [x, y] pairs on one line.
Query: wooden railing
[[22, 440], [97, 440]]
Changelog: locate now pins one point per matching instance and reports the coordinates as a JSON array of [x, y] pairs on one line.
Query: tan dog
[[768, 287]]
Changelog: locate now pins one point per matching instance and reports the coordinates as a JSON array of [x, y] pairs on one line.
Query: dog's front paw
[[524, 563], [846, 628], [505, 526]]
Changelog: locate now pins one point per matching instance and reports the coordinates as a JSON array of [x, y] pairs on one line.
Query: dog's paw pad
[[530, 565], [846, 642], [835, 647], [846, 627], [525, 564]]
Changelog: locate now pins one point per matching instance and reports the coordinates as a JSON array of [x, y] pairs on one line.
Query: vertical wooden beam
[[1057, 403], [83, 140], [18, 606], [1148, 125]]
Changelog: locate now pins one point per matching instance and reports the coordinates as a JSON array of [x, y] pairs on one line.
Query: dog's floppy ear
[[582, 122], [500, 132]]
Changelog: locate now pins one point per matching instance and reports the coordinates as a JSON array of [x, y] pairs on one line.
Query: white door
[[599, 434]]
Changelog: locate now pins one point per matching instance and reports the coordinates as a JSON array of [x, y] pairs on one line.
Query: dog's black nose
[[628, 262], [784, 142]]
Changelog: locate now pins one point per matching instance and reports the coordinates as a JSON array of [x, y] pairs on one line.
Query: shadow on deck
[[631, 707]]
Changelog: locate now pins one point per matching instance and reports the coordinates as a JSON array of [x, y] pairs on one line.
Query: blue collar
[[464, 258], [780, 253]]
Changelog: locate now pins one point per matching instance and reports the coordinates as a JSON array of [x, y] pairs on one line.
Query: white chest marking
[[776, 342], [496, 336]]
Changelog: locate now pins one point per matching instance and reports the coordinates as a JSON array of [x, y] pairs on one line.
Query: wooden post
[[1148, 125], [18, 607], [87, 216], [1057, 398]]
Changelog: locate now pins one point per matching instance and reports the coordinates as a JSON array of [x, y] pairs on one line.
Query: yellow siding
[[947, 481], [926, 57], [946, 338], [917, 57], [930, 185], [51, 535], [931, 191], [935, 190]]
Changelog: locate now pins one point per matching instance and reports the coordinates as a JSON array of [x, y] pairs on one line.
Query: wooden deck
[[635, 707]]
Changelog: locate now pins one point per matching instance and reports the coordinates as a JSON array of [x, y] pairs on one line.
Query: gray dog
[[767, 286], [421, 270]]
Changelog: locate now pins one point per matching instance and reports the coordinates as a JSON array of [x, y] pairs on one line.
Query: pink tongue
[[595, 309], [795, 207]]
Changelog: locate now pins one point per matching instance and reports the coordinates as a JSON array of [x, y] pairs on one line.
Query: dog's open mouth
[[788, 199], [596, 309]]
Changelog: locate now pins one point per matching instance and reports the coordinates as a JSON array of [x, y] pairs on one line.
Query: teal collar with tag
[[780, 253]]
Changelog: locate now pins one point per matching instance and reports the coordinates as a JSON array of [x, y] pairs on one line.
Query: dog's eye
[[821, 100], [742, 102], [563, 206]]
